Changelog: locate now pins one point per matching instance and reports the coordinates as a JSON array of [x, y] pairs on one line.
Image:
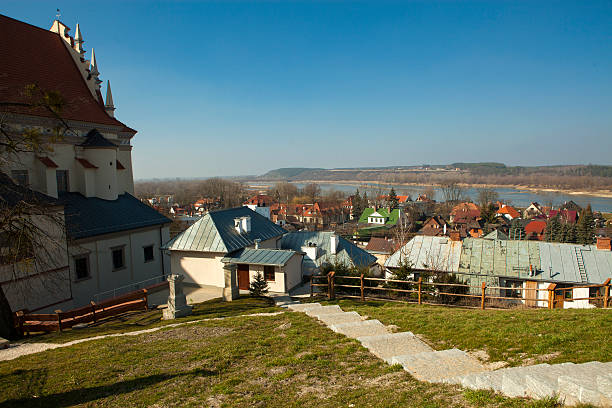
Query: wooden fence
[[27, 323], [421, 291]]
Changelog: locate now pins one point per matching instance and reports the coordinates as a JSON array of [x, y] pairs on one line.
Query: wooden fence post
[[93, 310], [330, 285], [146, 298], [482, 300], [362, 294], [606, 299], [311, 293], [19, 318], [551, 295], [59, 319], [420, 284]]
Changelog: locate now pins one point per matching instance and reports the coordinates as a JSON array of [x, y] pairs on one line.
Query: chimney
[[455, 236], [257, 241], [333, 242], [604, 244]]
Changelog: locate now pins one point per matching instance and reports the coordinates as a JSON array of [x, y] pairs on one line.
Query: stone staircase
[[589, 383]]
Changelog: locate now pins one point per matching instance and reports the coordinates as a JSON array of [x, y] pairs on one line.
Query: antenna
[[58, 15]]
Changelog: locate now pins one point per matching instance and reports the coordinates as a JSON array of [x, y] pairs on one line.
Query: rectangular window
[[62, 181], [81, 266], [118, 258], [515, 289], [148, 253], [269, 273], [21, 177]]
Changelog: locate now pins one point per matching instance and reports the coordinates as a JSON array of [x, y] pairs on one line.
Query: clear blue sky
[[230, 88]]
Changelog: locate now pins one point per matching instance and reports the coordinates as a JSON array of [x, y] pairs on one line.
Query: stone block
[[360, 329], [437, 366], [317, 311], [387, 346], [339, 318], [300, 307]]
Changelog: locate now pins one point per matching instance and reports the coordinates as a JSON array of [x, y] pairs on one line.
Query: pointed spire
[[109, 106], [78, 41], [93, 68]]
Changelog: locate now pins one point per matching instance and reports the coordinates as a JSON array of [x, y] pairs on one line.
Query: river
[[512, 196]]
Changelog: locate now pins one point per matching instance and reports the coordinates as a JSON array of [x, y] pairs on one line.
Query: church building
[[112, 239]]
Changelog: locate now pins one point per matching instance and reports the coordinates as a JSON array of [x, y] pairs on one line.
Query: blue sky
[[232, 88]]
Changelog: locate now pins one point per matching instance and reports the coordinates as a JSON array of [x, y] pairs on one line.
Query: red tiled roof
[[48, 162], [506, 209], [537, 227], [32, 55], [87, 164]]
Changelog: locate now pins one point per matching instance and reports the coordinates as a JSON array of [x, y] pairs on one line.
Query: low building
[[528, 265], [536, 229], [435, 226], [508, 212], [236, 236], [381, 248], [323, 248]]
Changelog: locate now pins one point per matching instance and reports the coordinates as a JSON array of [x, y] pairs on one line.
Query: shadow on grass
[[37, 378]]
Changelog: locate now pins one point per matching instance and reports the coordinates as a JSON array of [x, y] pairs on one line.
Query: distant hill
[[571, 177]]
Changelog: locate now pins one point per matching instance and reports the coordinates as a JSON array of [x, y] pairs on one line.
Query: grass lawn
[[287, 360], [515, 335], [143, 320]]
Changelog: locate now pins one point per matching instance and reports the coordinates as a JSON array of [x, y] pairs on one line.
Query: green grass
[[143, 320], [518, 336], [287, 360]]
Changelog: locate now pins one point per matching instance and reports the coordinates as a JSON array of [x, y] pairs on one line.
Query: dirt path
[[18, 350]]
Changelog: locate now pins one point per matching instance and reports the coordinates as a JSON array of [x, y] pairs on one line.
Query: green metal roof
[[215, 232], [276, 257], [393, 216]]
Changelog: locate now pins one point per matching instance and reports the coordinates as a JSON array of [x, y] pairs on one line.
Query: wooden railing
[[421, 291], [27, 323]]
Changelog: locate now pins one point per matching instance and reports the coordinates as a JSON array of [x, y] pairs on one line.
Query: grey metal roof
[[346, 252], [95, 139], [86, 217], [426, 252], [251, 256], [215, 232], [496, 234], [551, 262]]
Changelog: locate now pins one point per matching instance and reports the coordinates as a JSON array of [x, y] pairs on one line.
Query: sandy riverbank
[[593, 193]]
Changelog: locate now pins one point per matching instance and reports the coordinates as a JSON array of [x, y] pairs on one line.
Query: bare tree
[[32, 227], [312, 191], [487, 196], [452, 191]]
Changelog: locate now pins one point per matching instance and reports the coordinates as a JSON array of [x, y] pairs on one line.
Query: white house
[[235, 236], [113, 238], [377, 218]]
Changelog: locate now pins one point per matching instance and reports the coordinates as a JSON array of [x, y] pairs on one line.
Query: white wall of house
[[285, 277], [102, 275], [199, 268]]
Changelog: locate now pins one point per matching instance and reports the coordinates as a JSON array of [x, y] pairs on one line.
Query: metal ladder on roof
[[583, 275]]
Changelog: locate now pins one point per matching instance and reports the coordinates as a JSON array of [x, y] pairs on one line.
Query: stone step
[[339, 318], [581, 388], [360, 329], [437, 366], [301, 307], [317, 311], [386, 346]]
